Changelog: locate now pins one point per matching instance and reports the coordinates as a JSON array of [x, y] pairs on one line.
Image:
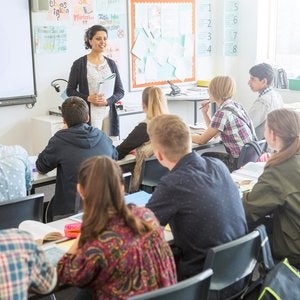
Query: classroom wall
[[15, 121]]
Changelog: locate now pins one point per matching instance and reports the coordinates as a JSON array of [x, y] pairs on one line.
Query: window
[[286, 37]]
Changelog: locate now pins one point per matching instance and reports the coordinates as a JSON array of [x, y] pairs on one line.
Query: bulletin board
[[162, 42]]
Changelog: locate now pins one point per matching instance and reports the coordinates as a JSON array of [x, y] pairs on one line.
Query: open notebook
[[41, 232]]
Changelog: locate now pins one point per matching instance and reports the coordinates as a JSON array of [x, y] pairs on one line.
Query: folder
[[107, 86]]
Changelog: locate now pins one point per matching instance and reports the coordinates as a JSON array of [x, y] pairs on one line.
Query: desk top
[[60, 224], [188, 95], [55, 113], [39, 178], [247, 176]]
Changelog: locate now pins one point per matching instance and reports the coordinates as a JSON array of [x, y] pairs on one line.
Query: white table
[[194, 97], [60, 224], [50, 178]]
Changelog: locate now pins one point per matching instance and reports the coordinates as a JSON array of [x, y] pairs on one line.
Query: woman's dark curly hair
[[89, 34]]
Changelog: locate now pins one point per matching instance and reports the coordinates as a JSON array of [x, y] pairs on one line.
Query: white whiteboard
[[17, 82]]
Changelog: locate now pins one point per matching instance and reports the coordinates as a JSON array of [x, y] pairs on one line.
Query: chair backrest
[[234, 260], [194, 288], [251, 152], [127, 181], [13, 212], [151, 173]]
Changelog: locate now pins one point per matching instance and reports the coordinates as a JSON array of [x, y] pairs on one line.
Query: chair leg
[[52, 296]]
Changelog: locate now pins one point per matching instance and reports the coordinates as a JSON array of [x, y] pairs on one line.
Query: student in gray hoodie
[[66, 150]]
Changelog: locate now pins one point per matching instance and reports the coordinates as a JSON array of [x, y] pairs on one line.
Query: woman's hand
[[97, 99]]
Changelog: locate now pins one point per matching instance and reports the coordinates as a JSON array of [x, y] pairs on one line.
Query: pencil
[[204, 105]]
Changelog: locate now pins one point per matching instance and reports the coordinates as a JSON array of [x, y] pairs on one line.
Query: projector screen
[[17, 79]]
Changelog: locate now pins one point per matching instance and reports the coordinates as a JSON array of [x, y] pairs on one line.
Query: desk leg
[[195, 112]]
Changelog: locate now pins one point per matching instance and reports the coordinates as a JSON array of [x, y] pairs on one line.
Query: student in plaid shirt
[[230, 120], [23, 266]]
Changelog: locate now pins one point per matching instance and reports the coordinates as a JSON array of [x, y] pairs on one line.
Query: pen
[[204, 105]]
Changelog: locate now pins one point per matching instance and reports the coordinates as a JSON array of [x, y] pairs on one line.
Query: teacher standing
[[86, 74]]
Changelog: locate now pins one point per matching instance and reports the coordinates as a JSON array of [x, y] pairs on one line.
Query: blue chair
[[151, 173], [13, 212], [233, 264], [194, 288]]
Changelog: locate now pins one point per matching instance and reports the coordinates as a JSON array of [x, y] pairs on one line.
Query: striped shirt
[[22, 266]]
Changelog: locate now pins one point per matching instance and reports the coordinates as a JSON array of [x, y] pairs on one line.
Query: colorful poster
[[50, 39], [162, 42], [83, 12], [59, 10], [114, 23]]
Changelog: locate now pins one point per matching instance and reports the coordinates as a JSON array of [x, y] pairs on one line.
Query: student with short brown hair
[[121, 251], [261, 79], [65, 152], [198, 198], [277, 192]]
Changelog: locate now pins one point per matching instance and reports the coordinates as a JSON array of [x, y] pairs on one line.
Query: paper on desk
[[77, 217], [251, 171], [53, 253], [107, 86], [198, 128]]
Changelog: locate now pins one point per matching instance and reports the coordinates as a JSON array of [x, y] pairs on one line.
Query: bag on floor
[[281, 283]]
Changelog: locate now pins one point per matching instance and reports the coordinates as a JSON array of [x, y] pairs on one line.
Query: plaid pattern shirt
[[235, 126], [266, 90], [22, 266]]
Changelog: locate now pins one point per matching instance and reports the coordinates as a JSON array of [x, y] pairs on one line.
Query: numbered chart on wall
[[204, 28], [231, 27]]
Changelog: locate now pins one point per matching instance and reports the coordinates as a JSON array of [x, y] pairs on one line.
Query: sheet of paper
[[107, 86], [77, 217], [140, 198], [53, 253]]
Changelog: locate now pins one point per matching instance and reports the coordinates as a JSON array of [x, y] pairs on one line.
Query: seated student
[[23, 266], [277, 192], [198, 198], [261, 79], [231, 121], [121, 250], [15, 172], [67, 149], [154, 104]]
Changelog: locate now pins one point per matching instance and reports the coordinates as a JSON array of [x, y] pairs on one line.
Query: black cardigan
[[137, 137], [78, 79]]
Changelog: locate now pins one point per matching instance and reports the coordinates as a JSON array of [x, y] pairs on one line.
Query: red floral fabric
[[121, 263]]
